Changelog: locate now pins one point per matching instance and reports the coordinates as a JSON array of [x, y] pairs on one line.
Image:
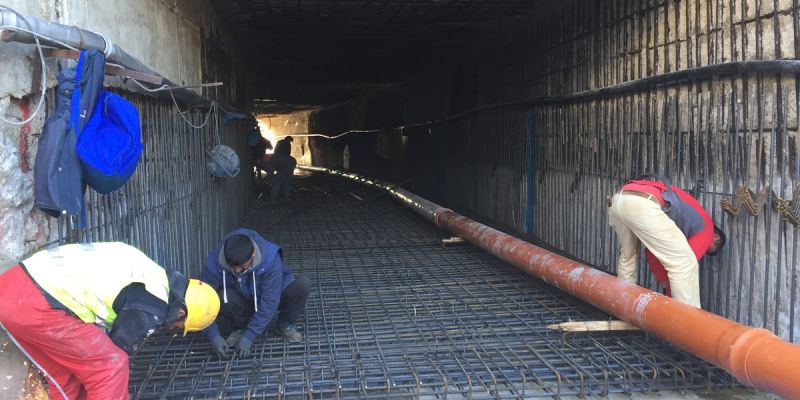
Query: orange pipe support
[[754, 356]]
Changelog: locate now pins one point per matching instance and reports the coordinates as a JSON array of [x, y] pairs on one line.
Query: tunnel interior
[[523, 115]]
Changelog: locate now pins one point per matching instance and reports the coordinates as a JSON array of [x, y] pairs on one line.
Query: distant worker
[[674, 228], [284, 146], [259, 151], [254, 285], [57, 303], [281, 169], [258, 147]]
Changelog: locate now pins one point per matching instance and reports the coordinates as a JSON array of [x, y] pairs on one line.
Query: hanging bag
[[110, 145]]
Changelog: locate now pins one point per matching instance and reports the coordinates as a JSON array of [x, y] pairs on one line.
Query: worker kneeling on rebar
[[254, 285], [674, 227], [57, 304]]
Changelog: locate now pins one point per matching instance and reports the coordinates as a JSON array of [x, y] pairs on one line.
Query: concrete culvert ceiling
[[310, 53]]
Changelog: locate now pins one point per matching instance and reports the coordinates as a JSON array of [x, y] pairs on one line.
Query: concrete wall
[[544, 170], [170, 36]]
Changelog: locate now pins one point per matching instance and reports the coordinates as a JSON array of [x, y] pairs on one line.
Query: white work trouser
[[640, 219]]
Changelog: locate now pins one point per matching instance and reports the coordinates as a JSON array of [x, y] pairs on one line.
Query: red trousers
[[80, 356]]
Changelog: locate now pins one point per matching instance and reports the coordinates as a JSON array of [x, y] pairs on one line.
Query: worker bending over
[[707, 240], [254, 285], [59, 303], [674, 228]]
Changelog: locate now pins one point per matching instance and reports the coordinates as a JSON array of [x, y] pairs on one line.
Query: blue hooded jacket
[[262, 283]]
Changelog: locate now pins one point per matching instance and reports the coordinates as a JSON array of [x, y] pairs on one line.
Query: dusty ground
[[18, 380]]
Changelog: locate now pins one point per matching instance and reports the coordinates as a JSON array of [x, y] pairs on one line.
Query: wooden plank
[[139, 76], [36, 77], [593, 326], [110, 69], [452, 240], [61, 53]]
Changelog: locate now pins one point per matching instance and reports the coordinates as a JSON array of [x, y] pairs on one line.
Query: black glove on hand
[[220, 347], [244, 346]]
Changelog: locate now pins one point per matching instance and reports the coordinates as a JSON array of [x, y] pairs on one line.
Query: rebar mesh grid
[[394, 314]]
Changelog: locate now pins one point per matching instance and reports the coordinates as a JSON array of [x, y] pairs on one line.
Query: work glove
[[245, 347], [220, 347]]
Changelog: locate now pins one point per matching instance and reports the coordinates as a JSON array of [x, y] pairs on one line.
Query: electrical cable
[[158, 89], [36, 364], [322, 135], [42, 83], [791, 67], [231, 112], [215, 107], [36, 37], [211, 109], [107, 50], [39, 35], [208, 114]]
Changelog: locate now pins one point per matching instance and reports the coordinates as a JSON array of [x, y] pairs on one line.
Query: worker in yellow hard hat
[[79, 309]]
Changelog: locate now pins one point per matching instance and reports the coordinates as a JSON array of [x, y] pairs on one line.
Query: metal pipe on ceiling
[[87, 40], [755, 356]]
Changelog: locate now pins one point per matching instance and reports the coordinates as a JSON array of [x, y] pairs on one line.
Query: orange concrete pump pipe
[[755, 356]]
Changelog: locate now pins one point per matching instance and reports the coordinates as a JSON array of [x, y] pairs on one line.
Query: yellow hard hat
[[202, 306]]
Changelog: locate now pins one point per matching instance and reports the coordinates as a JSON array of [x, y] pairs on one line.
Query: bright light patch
[[268, 134]]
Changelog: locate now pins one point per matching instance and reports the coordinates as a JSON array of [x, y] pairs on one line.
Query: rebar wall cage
[[540, 128], [172, 208]]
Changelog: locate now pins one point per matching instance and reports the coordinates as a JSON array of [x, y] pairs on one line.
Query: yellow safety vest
[[86, 278]]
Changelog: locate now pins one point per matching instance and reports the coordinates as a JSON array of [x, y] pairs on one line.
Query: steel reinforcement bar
[[395, 314], [755, 356]]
